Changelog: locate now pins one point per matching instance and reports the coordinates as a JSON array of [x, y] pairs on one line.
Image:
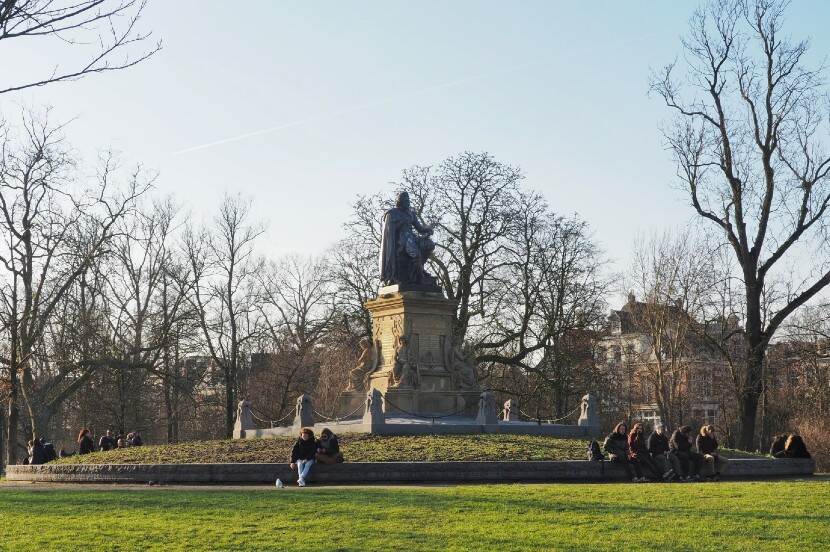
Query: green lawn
[[356, 448], [784, 515]]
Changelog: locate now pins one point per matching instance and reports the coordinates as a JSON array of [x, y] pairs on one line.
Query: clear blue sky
[[357, 91]]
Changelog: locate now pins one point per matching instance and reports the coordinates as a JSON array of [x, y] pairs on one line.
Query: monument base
[[351, 404], [430, 403]]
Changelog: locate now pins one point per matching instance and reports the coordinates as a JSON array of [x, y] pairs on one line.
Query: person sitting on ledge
[[658, 447], [85, 443], [638, 452], [121, 443], [690, 461], [794, 448], [106, 442], [616, 445], [778, 444], [328, 449], [707, 445], [134, 439], [302, 455]]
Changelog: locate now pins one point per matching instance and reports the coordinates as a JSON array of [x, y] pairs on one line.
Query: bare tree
[[670, 272], [53, 236], [224, 295], [107, 29], [297, 311], [747, 141]]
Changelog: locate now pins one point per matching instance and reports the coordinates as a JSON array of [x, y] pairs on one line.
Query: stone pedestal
[[350, 404], [417, 371]]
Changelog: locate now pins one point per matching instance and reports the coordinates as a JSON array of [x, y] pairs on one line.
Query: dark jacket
[[303, 450], [330, 446], [797, 449], [106, 443], [679, 442], [38, 453], [706, 444], [657, 444], [85, 445], [616, 444], [135, 441], [637, 446], [777, 445]]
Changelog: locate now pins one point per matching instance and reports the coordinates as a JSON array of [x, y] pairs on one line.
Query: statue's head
[[403, 201]]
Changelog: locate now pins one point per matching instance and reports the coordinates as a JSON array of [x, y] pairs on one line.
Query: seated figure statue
[[405, 248]]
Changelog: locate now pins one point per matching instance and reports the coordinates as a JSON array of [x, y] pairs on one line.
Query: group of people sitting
[[86, 443], [308, 450], [660, 457], [39, 451], [663, 457]]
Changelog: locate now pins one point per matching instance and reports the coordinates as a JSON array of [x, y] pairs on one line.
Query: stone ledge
[[377, 472]]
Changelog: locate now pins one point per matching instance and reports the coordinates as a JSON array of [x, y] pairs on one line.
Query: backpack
[[594, 452]]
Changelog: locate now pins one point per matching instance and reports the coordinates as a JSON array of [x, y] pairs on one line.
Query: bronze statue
[[405, 247]]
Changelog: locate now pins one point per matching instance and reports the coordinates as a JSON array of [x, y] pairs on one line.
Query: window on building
[[701, 382], [649, 417], [706, 416]]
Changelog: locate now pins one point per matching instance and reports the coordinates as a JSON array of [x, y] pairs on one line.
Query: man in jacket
[[658, 447], [690, 461]]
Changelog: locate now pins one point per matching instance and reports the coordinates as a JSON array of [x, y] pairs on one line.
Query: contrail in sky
[[369, 105], [349, 110]]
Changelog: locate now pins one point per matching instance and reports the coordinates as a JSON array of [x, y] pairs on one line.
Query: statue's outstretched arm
[[418, 224]]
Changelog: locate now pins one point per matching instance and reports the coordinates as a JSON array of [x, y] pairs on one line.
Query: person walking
[[302, 455]]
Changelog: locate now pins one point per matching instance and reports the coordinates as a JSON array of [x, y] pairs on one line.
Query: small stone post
[[511, 411], [244, 419], [488, 413], [304, 414], [589, 417], [373, 415]]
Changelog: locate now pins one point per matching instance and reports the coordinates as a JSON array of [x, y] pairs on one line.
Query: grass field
[[784, 515], [356, 448]]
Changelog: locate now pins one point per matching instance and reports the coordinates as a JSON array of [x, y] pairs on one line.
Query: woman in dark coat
[[638, 451], [707, 446], [794, 448], [777, 444], [85, 444], [328, 449], [302, 455], [616, 445]]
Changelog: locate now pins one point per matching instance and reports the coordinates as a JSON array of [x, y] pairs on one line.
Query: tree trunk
[[749, 395], [2, 436], [230, 407], [12, 422]]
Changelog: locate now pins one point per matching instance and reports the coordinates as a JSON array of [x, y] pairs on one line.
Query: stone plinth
[[419, 367]]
